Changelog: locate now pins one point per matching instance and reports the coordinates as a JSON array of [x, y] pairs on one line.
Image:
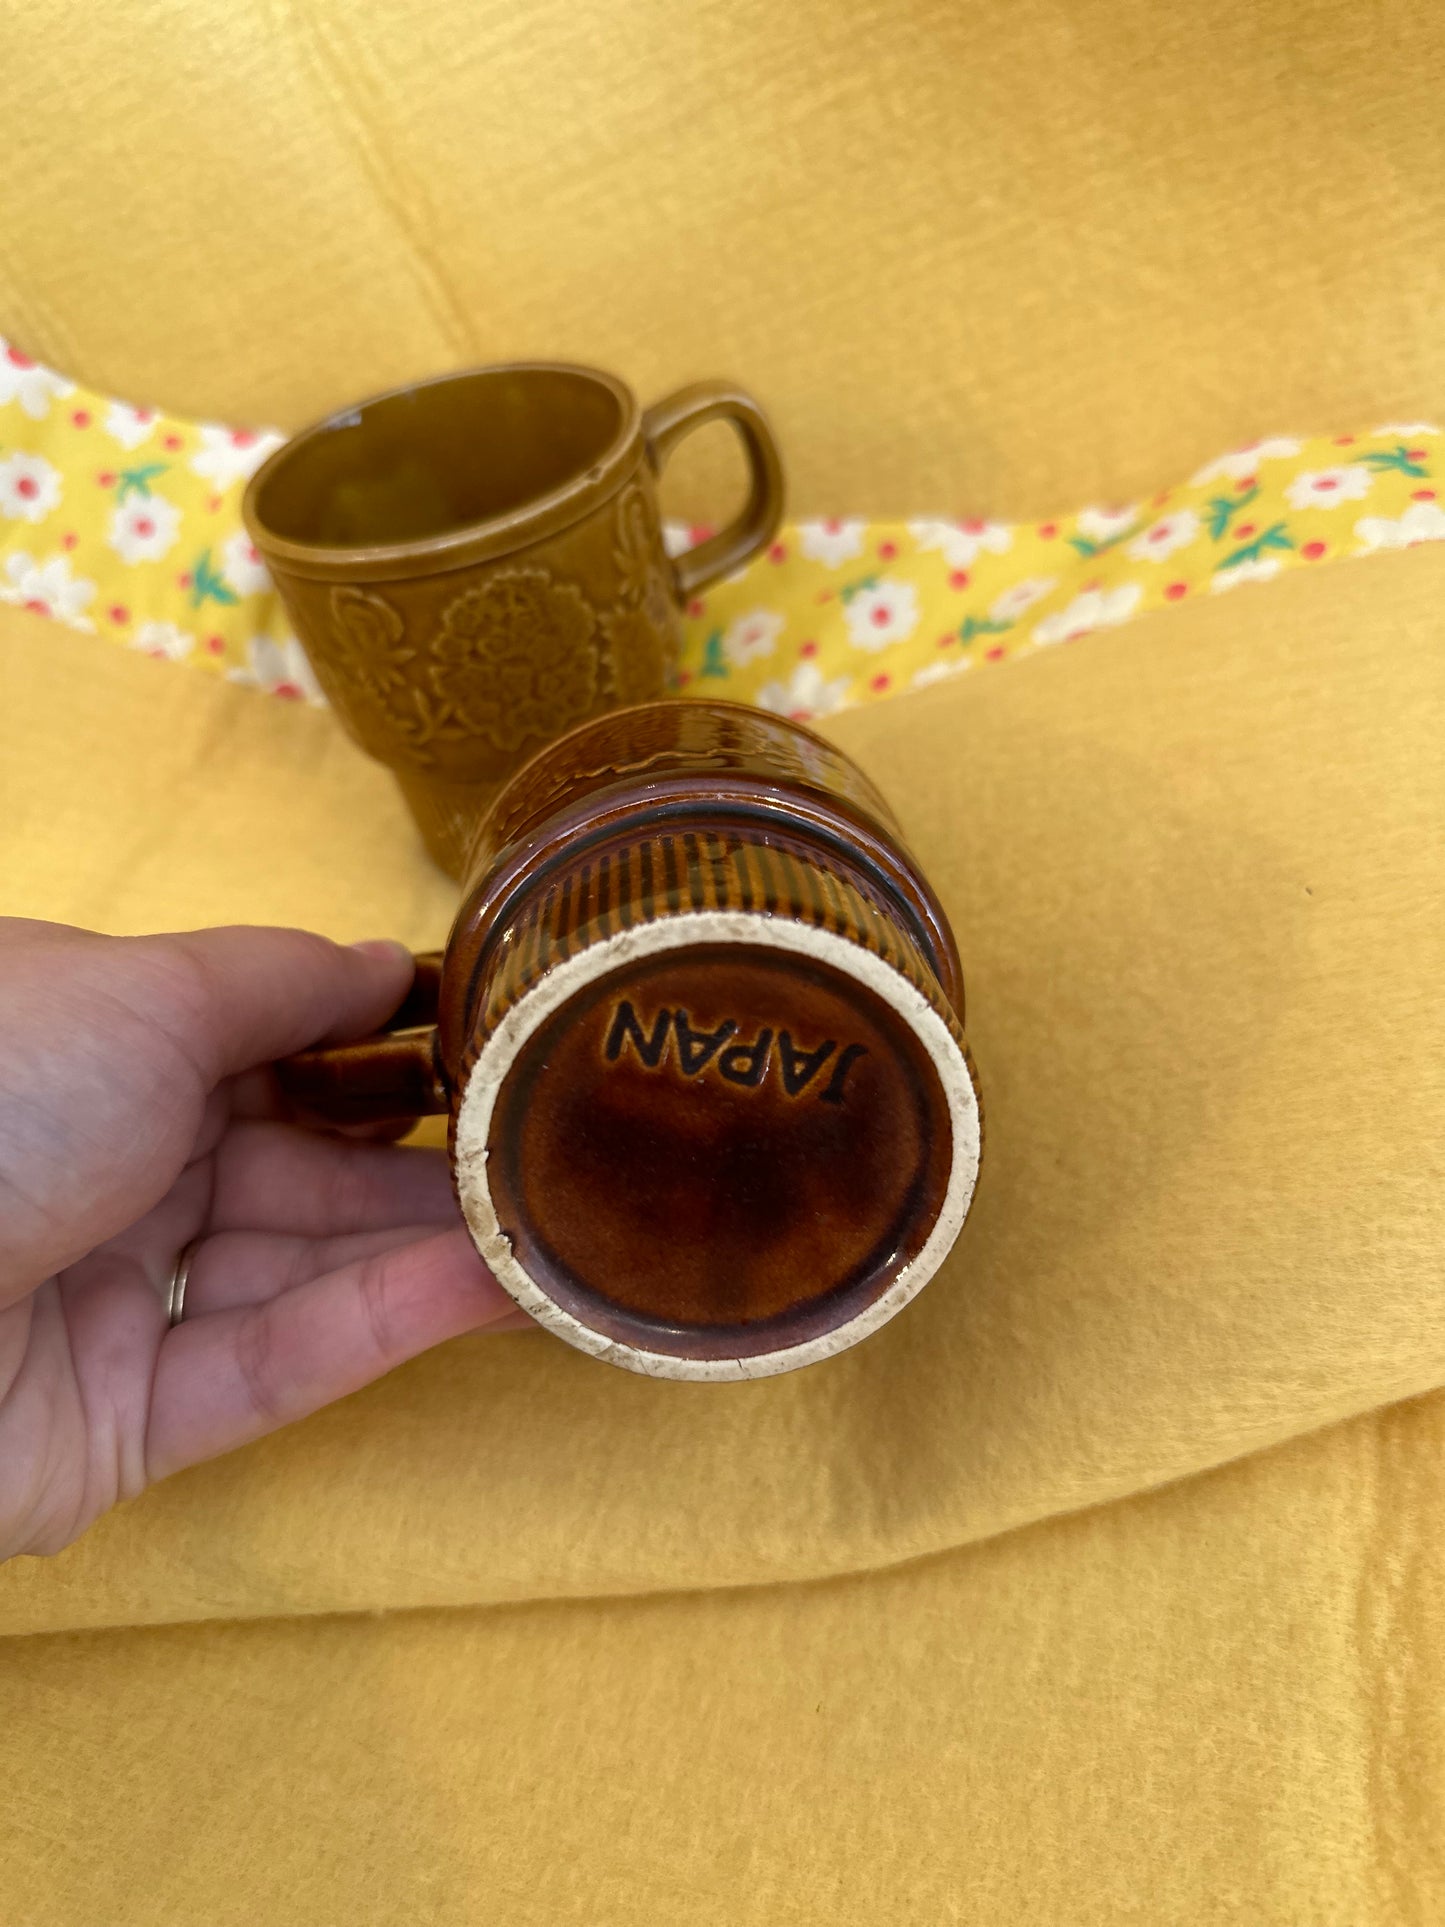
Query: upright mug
[[699, 1032], [475, 564]]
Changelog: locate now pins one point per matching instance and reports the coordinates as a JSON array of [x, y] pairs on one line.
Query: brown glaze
[[475, 564], [691, 1148], [699, 1037]]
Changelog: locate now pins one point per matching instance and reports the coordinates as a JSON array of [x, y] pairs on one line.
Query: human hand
[[137, 1114]]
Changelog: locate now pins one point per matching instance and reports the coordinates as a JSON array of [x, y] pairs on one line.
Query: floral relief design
[[516, 658], [641, 628], [125, 522], [370, 639]]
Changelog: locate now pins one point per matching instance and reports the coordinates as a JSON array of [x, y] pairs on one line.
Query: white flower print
[[25, 381], [940, 671], [962, 542], [1408, 430], [831, 541], [752, 636], [129, 426], [230, 455], [242, 566], [1094, 609], [881, 612], [49, 588], [1327, 488], [679, 537], [143, 528], [1241, 463], [1103, 525], [805, 694], [1018, 600], [1259, 569], [1421, 522], [1163, 537], [162, 640], [279, 666], [29, 487]]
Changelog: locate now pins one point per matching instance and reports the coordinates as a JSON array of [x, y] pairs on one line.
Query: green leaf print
[[1222, 510], [206, 585], [137, 481], [849, 589], [976, 626], [1085, 545], [712, 656], [1274, 537], [1404, 461]]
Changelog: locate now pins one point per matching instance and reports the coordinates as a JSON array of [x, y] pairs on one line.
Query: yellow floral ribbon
[[126, 523]]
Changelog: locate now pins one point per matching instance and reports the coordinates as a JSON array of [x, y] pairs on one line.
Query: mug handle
[[382, 1079], [663, 427]]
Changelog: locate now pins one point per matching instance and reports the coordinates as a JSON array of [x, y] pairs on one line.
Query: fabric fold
[[1193, 866]]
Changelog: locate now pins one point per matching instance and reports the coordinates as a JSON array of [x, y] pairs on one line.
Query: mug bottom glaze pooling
[[716, 1146]]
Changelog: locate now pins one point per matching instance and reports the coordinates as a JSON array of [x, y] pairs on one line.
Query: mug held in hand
[[698, 1030]]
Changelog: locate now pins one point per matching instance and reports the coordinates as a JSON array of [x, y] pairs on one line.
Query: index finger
[[247, 994]]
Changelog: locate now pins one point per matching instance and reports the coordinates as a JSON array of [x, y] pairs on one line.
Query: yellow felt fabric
[[978, 256], [981, 258], [1194, 868], [1218, 1704]]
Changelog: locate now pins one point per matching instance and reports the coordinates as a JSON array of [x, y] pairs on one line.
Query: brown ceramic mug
[[475, 564], [698, 1028]]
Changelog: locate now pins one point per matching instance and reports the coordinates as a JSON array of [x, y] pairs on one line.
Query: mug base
[[717, 1146]]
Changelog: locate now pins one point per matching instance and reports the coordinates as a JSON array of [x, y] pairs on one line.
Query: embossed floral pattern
[[516, 657], [640, 629], [370, 639], [641, 652], [836, 613]]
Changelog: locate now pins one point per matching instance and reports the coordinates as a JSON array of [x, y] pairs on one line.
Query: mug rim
[[546, 514]]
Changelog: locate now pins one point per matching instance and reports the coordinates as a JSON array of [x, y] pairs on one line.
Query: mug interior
[[446, 455]]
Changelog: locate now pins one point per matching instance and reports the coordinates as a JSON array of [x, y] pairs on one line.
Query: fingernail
[[380, 947]]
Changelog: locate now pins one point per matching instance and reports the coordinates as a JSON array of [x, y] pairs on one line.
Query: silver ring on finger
[[180, 1275]]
